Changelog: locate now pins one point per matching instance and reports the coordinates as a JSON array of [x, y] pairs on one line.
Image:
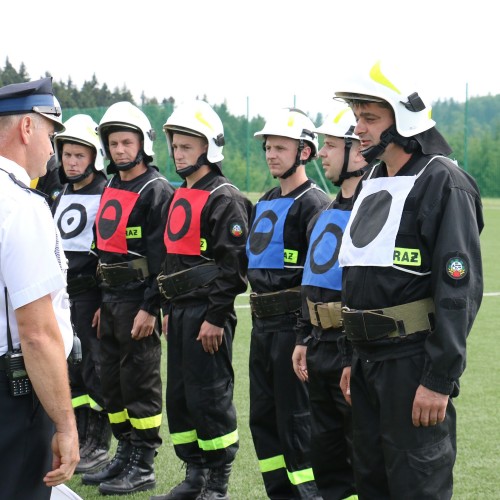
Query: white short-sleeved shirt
[[32, 261]]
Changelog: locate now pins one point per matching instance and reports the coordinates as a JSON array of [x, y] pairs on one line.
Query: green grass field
[[478, 464]]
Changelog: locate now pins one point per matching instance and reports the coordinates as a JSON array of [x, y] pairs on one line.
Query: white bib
[[370, 235], [74, 217]]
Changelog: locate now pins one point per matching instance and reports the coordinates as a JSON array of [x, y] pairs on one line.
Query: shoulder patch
[[457, 268], [236, 229]]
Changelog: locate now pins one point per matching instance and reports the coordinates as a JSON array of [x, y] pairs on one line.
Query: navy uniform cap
[[36, 96]]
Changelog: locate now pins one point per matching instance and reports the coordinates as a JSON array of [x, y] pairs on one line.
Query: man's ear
[[306, 152], [26, 128]]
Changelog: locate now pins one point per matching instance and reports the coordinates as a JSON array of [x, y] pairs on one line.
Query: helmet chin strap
[[344, 174], [78, 178], [409, 144], [183, 173], [123, 167], [296, 164], [374, 152]]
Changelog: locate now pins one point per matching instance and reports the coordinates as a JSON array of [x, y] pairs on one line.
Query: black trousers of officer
[[131, 378], [85, 378], [25, 441], [200, 385], [331, 422], [280, 419], [393, 459]]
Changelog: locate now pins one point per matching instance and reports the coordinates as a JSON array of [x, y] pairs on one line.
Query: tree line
[[472, 128]]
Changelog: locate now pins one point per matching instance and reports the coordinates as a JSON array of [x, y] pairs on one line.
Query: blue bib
[[322, 262], [265, 243]]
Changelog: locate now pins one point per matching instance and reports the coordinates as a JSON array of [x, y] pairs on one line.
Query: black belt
[[3, 363], [275, 303], [188, 280], [124, 272], [80, 284], [390, 322]]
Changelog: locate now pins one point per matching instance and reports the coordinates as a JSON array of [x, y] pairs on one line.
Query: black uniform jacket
[[442, 218], [294, 235], [82, 263], [146, 215], [223, 229], [318, 294]]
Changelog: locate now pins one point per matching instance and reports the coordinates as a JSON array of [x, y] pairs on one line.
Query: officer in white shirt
[[34, 306]]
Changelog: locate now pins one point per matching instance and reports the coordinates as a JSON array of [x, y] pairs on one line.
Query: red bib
[[182, 233], [112, 218]]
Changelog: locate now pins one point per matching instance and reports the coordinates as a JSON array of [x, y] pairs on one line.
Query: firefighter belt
[[390, 322], [124, 272], [188, 280], [275, 303], [80, 284], [325, 314]]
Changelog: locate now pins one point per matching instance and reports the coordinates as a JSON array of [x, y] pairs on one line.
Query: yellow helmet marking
[[377, 76], [340, 115], [199, 116]]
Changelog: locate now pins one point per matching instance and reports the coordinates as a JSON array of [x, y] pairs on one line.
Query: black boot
[[113, 468], [96, 452], [190, 488], [216, 487], [82, 415], [138, 475]]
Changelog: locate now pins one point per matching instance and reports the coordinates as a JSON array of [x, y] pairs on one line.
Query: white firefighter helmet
[[125, 115], [81, 129], [379, 84], [197, 118], [292, 123], [340, 124]]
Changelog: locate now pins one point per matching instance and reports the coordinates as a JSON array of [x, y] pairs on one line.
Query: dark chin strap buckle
[[184, 173], [127, 166], [386, 138]]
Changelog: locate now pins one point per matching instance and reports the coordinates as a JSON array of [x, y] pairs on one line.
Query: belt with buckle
[[275, 303], [325, 314], [389, 322], [187, 280]]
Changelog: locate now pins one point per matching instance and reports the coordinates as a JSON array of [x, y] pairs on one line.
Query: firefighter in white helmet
[[129, 240], [203, 271], [80, 166], [316, 358], [406, 313], [276, 250]]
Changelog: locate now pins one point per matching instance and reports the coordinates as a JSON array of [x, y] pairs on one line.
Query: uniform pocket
[[431, 458]]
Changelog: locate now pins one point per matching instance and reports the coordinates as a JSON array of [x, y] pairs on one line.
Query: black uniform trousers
[[85, 377], [25, 442], [393, 459], [280, 419], [199, 397], [331, 422], [131, 377]]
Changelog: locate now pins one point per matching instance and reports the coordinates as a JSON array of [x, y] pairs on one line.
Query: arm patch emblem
[[457, 269]]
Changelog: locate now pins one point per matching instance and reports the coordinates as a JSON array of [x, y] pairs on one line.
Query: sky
[[256, 56]]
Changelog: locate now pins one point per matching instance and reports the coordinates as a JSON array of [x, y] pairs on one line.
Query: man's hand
[[429, 407], [164, 326], [96, 322], [210, 336], [66, 457], [299, 362], [345, 384], [143, 326]]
